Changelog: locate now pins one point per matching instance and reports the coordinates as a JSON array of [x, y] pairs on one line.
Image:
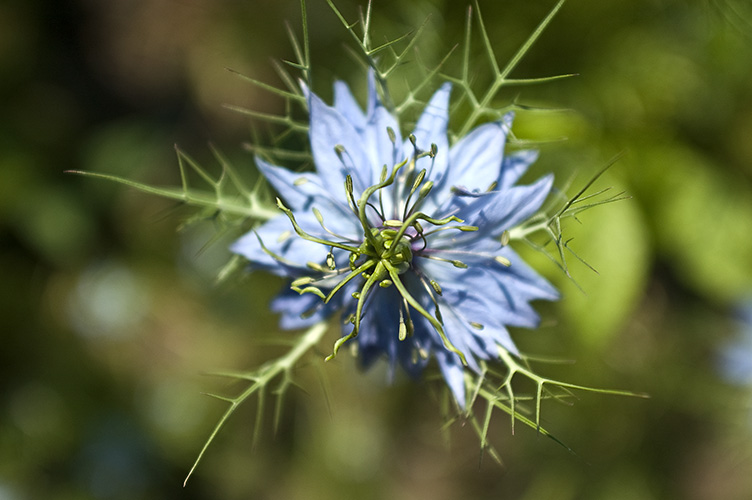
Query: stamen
[[378, 273], [354, 273], [416, 305], [503, 261], [307, 236], [309, 289], [320, 219], [370, 237], [416, 183], [305, 280], [316, 267], [456, 263], [412, 219], [437, 309], [391, 134], [409, 322], [284, 236], [402, 332], [466, 229], [318, 216], [505, 238], [349, 194], [273, 255]]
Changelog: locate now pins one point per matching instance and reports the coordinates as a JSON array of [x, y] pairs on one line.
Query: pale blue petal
[[476, 160], [345, 103], [296, 189], [514, 166], [478, 305], [454, 374], [523, 279], [277, 236], [432, 129], [328, 130], [501, 210], [381, 150], [292, 306]]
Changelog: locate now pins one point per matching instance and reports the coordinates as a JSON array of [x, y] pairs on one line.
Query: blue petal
[[328, 130], [432, 129], [292, 306], [524, 279], [501, 210], [289, 249], [290, 253], [478, 305], [476, 160], [381, 150], [297, 189], [454, 374], [514, 166], [345, 103]]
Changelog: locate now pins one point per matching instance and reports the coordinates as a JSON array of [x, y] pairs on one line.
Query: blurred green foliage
[[109, 315]]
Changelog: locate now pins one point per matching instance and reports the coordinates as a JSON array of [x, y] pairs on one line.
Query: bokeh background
[[110, 314]]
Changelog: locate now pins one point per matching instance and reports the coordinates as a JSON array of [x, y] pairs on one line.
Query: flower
[[736, 355], [407, 239]]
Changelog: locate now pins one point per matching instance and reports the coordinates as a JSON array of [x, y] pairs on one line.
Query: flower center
[[385, 253]]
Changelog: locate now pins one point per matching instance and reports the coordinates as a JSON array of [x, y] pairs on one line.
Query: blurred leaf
[[703, 221], [613, 240]]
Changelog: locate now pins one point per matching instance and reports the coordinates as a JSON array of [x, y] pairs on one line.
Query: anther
[[318, 215], [425, 189], [282, 237], [391, 134], [505, 238], [503, 261], [316, 267], [419, 179], [305, 280]]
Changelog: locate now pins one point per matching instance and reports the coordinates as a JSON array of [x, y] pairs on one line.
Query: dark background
[[110, 315]]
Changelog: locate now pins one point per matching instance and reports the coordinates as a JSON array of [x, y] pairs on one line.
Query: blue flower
[[736, 355], [406, 238]]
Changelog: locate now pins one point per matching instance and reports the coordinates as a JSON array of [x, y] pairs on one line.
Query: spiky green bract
[[260, 383]]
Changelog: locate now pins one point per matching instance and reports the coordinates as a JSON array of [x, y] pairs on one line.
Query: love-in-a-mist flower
[[405, 238]]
